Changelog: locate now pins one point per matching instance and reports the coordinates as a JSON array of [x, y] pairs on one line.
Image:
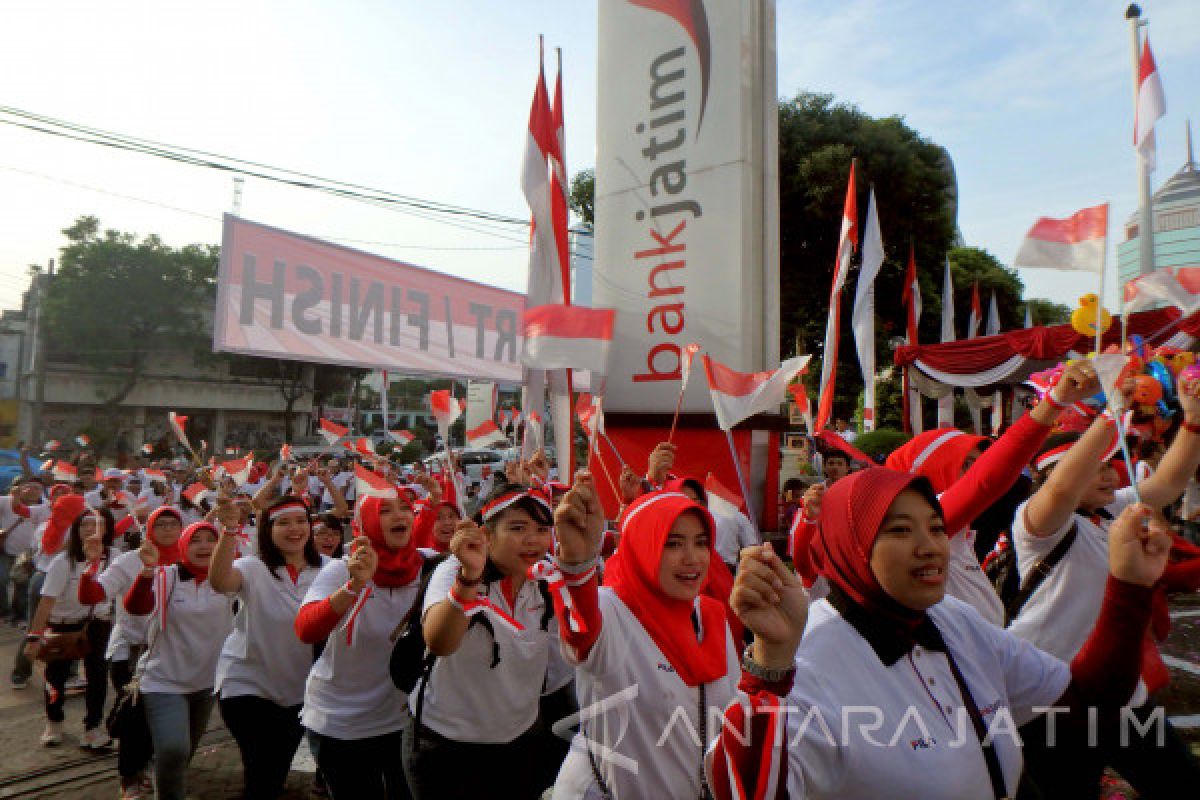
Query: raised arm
[[222, 574], [579, 527], [1179, 463], [445, 623]]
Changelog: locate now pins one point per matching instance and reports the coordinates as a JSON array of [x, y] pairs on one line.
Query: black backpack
[[1001, 570]]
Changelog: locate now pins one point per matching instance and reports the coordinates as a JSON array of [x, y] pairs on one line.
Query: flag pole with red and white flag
[[568, 337], [237, 470], [945, 404], [1078, 242], [401, 438], [686, 357], [912, 314], [178, 424], [368, 483], [976, 315], [1151, 106], [446, 411], [862, 319], [847, 240]]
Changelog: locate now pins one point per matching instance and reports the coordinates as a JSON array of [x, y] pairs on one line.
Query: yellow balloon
[[1089, 316]]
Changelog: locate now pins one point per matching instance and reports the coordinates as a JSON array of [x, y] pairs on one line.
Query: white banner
[[481, 403], [686, 192]]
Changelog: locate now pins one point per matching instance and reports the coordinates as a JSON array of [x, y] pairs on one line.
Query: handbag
[[66, 645]]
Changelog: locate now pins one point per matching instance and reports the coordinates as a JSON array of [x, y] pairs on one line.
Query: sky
[[431, 100]]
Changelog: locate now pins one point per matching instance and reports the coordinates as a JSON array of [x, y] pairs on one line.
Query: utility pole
[[238, 183], [38, 354]]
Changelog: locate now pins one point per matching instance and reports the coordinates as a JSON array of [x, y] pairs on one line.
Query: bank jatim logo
[[691, 16]]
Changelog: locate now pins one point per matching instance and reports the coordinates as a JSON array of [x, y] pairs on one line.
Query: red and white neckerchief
[[352, 618], [739, 772], [505, 500], [483, 605], [546, 570]]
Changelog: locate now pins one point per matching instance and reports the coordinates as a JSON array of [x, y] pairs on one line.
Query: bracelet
[[1191, 427], [1054, 402], [348, 586], [467, 584], [767, 674]]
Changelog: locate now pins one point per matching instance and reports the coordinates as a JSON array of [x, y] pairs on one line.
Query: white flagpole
[[737, 466], [1145, 201]]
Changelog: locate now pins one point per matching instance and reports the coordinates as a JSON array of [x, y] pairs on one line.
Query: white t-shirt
[[966, 580], [21, 529], [1060, 614], [924, 745], [183, 658], [263, 656], [734, 531], [349, 693], [633, 703], [468, 700], [95, 499], [62, 583], [130, 629], [149, 500], [344, 481]]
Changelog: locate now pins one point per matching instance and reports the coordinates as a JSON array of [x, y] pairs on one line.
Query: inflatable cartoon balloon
[[1090, 316]]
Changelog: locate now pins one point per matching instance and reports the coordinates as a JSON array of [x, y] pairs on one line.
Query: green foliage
[[116, 300], [881, 441], [1046, 312], [583, 196], [971, 265]]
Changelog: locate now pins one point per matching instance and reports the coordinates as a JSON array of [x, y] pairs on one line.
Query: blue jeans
[[176, 721], [22, 666]]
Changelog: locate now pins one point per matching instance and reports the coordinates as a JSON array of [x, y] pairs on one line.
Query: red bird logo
[[691, 16]]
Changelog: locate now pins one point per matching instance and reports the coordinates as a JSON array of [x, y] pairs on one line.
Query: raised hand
[[1139, 542], [579, 520], [813, 496], [631, 485], [227, 513], [1077, 382], [660, 463], [1189, 399], [469, 546], [769, 600], [93, 547], [362, 562], [539, 466], [148, 553]]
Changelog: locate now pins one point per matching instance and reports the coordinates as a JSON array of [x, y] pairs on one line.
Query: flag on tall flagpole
[[178, 424], [862, 319], [568, 337], [847, 240], [738, 395], [945, 404], [912, 297], [1151, 105], [1076, 242], [976, 315], [993, 328]]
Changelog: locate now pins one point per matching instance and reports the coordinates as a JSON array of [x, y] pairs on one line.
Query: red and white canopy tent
[[1005, 360]]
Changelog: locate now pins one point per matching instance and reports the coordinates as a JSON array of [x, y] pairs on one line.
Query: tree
[[971, 265], [117, 300], [583, 196], [1046, 312]]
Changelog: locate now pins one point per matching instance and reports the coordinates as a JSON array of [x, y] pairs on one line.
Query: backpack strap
[[1041, 570]]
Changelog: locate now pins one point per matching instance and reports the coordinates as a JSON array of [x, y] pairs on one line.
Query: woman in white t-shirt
[[353, 713], [188, 623], [887, 687], [653, 653], [1076, 491], [263, 665], [493, 632], [60, 611]]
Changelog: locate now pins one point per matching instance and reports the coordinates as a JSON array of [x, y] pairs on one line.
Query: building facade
[[1176, 225]]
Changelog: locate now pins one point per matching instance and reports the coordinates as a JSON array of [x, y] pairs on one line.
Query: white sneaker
[[95, 739], [52, 736]]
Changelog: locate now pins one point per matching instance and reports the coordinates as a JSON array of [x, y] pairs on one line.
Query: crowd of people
[[523, 643]]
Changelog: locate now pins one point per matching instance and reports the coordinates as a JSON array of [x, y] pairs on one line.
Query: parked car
[[473, 462], [10, 468]]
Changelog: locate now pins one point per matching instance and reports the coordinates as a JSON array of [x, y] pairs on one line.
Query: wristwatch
[[765, 673]]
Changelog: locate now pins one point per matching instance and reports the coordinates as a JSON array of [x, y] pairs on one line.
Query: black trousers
[[363, 769], [95, 668], [267, 736], [1157, 764], [434, 766], [134, 748]]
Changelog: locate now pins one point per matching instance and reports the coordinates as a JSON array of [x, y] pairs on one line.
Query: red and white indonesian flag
[[591, 415], [912, 297], [368, 483], [847, 240], [332, 431], [83, 440], [198, 492], [178, 424], [976, 315], [568, 337], [862, 320], [154, 476], [485, 434], [1151, 105], [364, 447], [721, 499], [800, 397], [65, 472], [505, 416], [446, 410], [1074, 243], [685, 364], [402, 438], [1179, 287], [52, 445], [285, 453], [238, 470], [147, 449], [533, 430], [738, 395]]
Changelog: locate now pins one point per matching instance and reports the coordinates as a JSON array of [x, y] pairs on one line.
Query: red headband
[[506, 500]]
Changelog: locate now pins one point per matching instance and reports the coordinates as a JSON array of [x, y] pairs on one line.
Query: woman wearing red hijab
[[353, 713], [651, 647], [896, 690]]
